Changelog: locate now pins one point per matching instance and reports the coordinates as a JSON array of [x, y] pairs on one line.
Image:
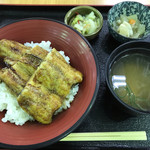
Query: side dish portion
[[85, 24], [129, 26]]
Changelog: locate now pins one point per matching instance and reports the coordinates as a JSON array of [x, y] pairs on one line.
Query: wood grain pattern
[[67, 2]]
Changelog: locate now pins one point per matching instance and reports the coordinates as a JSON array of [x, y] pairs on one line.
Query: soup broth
[[130, 78]]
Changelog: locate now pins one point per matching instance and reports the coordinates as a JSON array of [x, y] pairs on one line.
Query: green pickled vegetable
[[86, 24]]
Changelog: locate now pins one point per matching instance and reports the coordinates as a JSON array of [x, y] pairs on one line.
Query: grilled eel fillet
[[48, 86], [12, 80], [15, 50], [22, 62], [12, 49]]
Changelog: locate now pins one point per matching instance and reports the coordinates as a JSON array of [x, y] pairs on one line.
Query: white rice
[[14, 113]]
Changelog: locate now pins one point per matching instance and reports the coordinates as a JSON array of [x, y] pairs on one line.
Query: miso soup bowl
[[122, 50]]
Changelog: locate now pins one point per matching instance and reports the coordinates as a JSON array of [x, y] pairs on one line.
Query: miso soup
[[130, 78]]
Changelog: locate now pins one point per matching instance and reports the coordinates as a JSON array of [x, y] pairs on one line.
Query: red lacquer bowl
[[82, 56]]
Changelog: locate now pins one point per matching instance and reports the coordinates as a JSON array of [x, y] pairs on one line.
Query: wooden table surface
[[68, 2]]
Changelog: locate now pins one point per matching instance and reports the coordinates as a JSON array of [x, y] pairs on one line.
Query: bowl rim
[[112, 57], [126, 38], [86, 7], [68, 131]]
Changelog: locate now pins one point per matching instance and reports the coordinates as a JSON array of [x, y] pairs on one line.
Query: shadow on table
[[113, 110]]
